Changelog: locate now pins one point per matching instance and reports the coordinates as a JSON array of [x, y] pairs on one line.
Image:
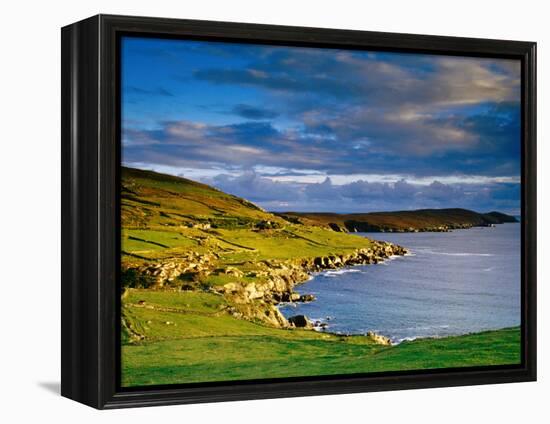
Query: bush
[[133, 279]]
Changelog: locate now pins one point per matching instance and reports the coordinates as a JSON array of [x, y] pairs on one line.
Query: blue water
[[452, 283]]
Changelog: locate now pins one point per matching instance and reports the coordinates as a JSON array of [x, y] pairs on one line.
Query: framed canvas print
[[255, 211]]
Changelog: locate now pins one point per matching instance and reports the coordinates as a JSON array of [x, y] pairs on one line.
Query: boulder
[[230, 270], [379, 339], [307, 298], [300, 321], [252, 291], [294, 297], [230, 287]]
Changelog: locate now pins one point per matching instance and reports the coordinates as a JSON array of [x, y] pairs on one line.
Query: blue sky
[[322, 129]]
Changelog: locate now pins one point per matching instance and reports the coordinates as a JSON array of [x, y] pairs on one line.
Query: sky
[[328, 130]]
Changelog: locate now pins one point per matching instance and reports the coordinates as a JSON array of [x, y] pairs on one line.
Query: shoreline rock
[[379, 338], [300, 321]]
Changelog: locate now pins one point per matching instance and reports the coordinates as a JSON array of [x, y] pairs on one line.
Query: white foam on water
[[403, 339], [331, 274], [431, 252]]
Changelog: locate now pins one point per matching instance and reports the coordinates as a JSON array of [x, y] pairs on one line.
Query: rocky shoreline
[[364, 227], [263, 297], [273, 281]]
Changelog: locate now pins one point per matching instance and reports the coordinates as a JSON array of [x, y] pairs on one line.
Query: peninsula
[[437, 220]]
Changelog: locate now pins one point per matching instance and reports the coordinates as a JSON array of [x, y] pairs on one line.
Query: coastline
[[254, 347], [259, 301], [284, 276], [350, 302], [204, 273]]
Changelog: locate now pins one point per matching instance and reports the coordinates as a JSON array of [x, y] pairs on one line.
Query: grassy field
[[191, 339], [185, 328]]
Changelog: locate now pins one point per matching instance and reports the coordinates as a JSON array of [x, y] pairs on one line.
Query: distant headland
[[422, 220]]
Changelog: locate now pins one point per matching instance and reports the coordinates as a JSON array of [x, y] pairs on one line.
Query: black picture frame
[[90, 210]]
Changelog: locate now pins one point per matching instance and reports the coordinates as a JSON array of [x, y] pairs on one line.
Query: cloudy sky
[[306, 129]]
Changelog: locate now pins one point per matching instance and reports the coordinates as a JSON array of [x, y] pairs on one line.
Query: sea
[[450, 283]]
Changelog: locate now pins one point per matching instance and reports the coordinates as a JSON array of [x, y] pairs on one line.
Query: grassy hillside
[[163, 216], [417, 220], [203, 271], [150, 199], [188, 338]]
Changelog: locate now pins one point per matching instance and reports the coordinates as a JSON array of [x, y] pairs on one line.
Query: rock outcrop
[[158, 274], [274, 280], [278, 279]]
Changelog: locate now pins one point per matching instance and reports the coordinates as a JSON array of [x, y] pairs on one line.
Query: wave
[[392, 258], [403, 339], [335, 273], [431, 252], [400, 340], [423, 332], [412, 328]]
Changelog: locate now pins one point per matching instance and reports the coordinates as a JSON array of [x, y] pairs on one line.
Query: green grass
[[172, 336], [293, 242], [192, 314], [239, 246], [201, 342], [146, 240]]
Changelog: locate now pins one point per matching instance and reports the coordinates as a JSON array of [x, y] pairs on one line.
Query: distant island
[[421, 220]]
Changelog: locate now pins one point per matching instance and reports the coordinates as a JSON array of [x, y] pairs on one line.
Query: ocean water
[[451, 283]]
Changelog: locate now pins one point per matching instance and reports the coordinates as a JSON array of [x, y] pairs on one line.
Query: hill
[[202, 272], [153, 199], [400, 221], [179, 234]]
